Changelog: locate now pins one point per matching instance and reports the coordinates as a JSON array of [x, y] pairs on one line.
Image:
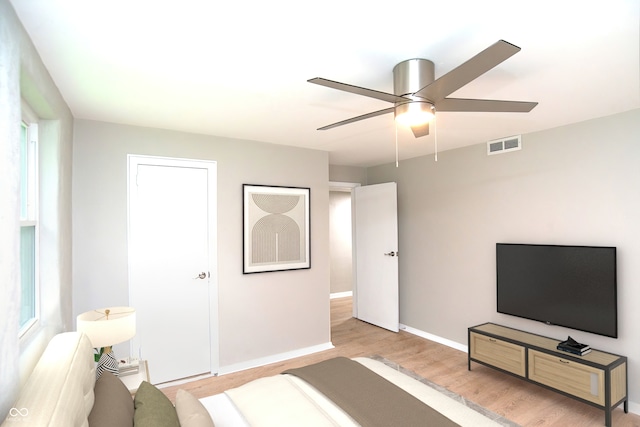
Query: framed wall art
[[275, 228]]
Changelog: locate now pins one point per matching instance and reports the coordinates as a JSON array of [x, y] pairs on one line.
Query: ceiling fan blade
[[484, 105], [468, 71], [358, 90], [421, 130], [357, 119]]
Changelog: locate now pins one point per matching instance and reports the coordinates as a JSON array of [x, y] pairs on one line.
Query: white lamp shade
[[120, 326]]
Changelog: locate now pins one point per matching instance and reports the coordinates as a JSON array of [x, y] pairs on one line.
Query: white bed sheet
[[285, 400], [223, 412]]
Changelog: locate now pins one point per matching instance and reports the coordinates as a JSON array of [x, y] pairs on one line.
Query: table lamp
[[106, 327]]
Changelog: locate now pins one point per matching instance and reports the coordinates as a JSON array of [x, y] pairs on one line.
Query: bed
[[62, 391]]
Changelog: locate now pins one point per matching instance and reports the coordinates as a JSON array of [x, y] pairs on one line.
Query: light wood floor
[[517, 400]]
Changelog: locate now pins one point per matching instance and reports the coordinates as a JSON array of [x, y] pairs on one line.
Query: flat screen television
[[570, 286]]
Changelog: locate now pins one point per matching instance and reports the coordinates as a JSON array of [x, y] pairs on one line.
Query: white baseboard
[[341, 294], [184, 380], [434, 338], [274, 358]]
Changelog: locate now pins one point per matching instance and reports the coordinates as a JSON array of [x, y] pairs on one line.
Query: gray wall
[[260, 315], [577, 184], [22, 75], [351, 174]]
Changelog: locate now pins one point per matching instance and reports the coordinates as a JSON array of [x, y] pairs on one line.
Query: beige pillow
[[153, 408], [191, 412], [113, 406]]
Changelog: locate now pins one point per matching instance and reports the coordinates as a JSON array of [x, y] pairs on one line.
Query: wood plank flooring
[[517, 400]]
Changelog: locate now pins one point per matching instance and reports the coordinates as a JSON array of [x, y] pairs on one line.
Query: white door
[[376, 255], [172, 265]]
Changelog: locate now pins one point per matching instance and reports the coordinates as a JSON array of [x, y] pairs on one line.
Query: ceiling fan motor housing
[[409, 77], [412, 75]]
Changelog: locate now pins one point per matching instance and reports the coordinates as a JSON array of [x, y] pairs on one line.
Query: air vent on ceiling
[[499, 146]]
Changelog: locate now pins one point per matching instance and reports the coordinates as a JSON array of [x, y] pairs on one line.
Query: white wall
[[260, 315], [22, 75], [578, 184], [9, 212]]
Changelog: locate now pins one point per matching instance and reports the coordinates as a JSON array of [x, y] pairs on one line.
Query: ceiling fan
[[417, 95]]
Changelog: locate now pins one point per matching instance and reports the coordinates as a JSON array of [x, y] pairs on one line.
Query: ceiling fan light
[[414, 113]]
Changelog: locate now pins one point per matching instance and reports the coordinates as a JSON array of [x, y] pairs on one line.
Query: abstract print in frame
[[276, 228]]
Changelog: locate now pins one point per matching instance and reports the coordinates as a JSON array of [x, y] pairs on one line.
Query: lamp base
[[107, 363]]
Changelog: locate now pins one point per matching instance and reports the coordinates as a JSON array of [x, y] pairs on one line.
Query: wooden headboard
[[59, 391]]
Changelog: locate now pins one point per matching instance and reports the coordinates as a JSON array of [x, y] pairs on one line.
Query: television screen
[[570, 286]]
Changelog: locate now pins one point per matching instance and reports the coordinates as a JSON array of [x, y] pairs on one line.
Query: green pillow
[[153, 408]]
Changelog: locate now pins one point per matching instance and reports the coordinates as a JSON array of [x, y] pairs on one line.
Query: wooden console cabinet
[[597, 378]]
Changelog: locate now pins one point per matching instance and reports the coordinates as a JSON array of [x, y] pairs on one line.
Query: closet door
[[172, 265]]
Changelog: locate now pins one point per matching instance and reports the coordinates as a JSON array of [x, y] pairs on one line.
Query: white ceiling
[[239, 68]]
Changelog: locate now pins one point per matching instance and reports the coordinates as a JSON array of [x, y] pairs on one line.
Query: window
[[28, 224]]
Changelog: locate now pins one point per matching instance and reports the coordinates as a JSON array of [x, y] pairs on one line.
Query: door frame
[[134, 160], [341, 186]]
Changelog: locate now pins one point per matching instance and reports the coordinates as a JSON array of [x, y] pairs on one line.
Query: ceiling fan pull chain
[[435, 136], [396, 126]]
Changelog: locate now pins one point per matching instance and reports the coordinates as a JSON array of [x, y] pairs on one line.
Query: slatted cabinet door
[[583, 381], [501, 354]]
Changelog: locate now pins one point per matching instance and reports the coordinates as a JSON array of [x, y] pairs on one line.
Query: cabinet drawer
[[571, 377], [498, 353]]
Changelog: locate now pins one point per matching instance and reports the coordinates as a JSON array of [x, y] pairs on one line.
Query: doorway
[[340, 242], [374, 287], [172, 265], [341, 238]]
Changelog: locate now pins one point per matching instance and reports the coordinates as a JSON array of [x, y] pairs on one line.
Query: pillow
[[153, 408], [191, 412], [113, 406]]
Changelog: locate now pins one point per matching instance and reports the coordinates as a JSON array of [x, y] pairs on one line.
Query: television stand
[[597, 378]]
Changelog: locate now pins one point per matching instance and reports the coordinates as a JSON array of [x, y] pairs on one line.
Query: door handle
[[202, 275], [392, 253]]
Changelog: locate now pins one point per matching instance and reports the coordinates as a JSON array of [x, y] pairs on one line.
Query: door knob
[[202, 275], [392, 253]]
